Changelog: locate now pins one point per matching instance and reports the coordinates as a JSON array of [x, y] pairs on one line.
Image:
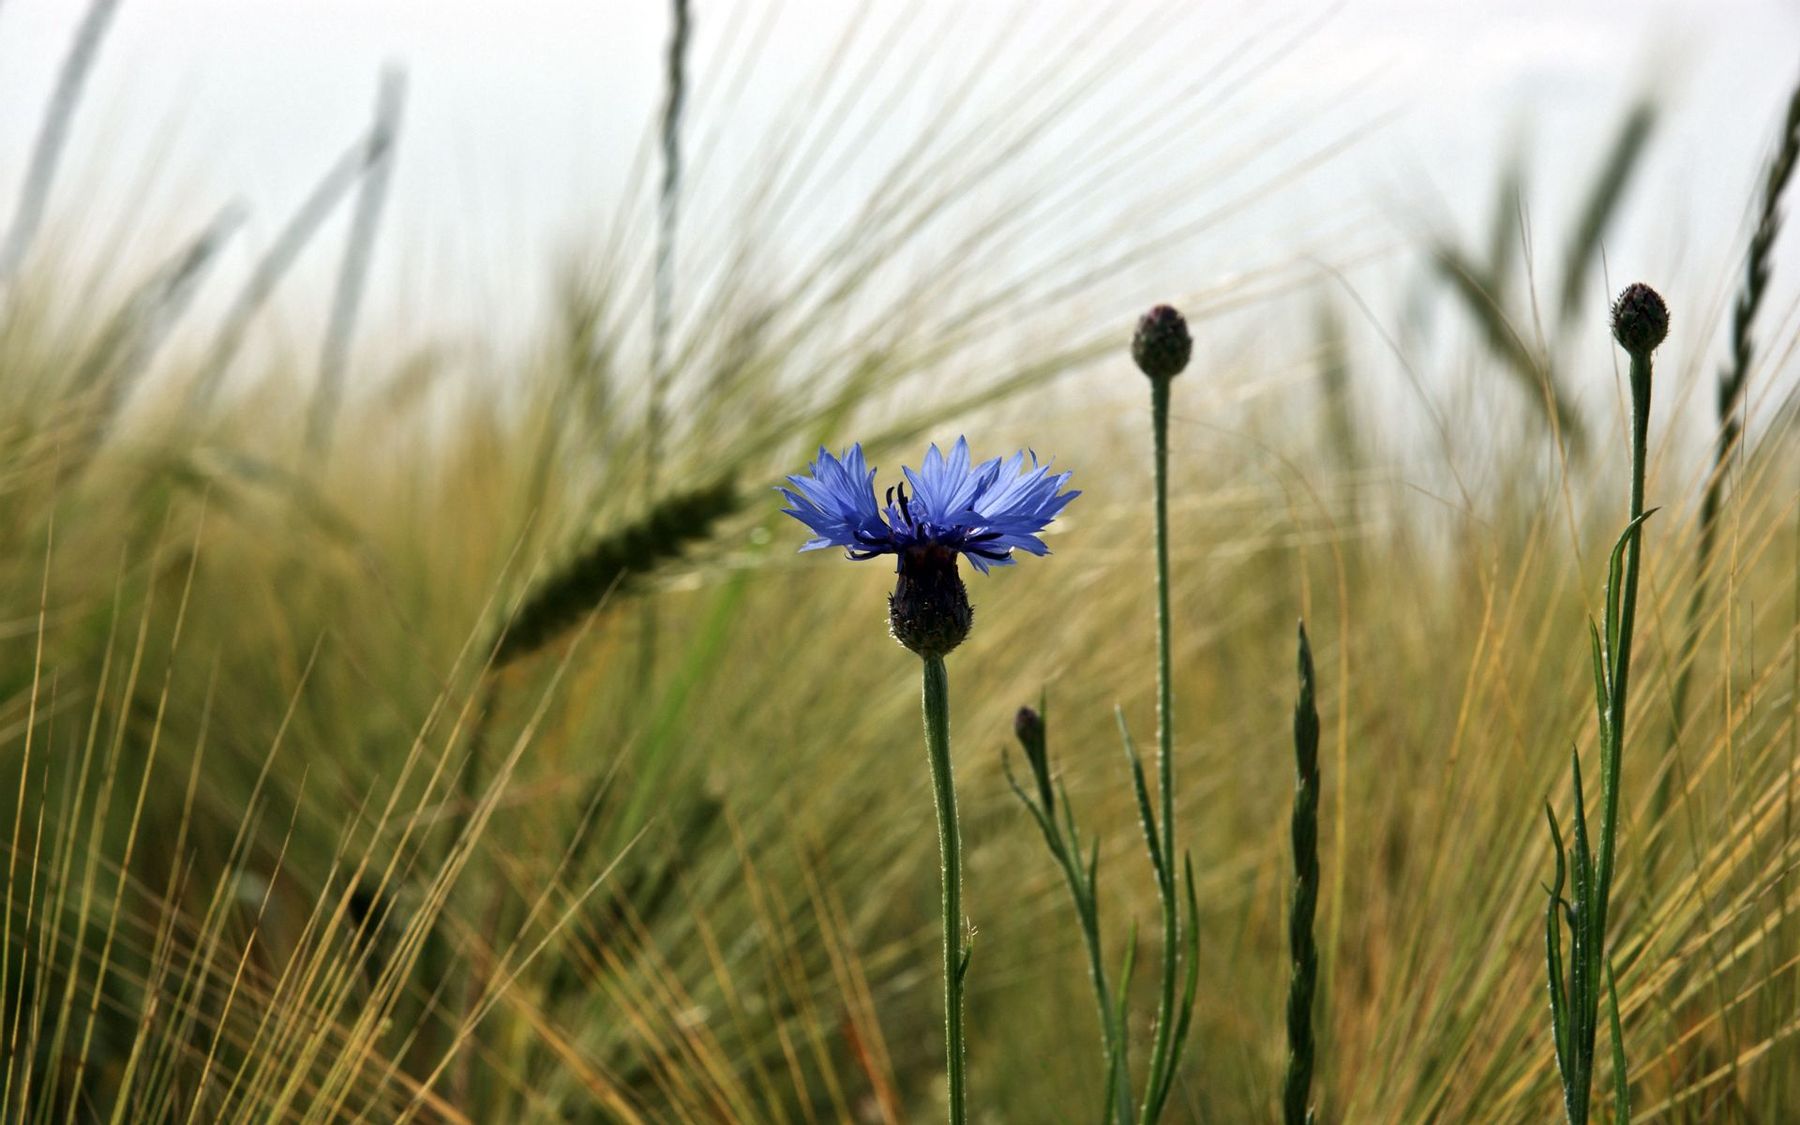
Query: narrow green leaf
[[1072, 833], [1602, 682], [1146, 814], [1615, 570], [1045, 825], [1190, 986], [1621, 1083], [1582, 994], [1559, 1004], [1126, 968]]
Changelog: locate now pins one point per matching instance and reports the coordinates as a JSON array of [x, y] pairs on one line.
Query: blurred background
[[523, 129], [412, 705]]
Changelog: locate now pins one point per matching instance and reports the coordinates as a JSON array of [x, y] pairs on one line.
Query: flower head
[[980, 512]]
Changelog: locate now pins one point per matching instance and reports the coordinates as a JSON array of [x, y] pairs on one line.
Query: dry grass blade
[[53, 134], [1527, 363], [1614, 176], [359, 250], [350, 168]]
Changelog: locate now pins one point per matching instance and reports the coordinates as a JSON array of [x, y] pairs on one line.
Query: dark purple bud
[[1028, 725], [1161, 345], [1640, 319], [929, 610]]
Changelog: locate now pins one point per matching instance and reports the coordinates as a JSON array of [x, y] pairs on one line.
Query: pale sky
[[523, 118]]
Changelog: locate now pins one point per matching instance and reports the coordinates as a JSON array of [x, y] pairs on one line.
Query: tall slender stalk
[[1640, 322], [1621, 658], [1160, 1060], [936, 699], [948, 515], [1161, 348]]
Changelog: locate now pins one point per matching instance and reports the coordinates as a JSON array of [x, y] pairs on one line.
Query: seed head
[[1640, 319], [1161, 345]]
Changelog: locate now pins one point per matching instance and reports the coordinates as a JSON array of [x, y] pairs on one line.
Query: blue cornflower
[[982, 512]]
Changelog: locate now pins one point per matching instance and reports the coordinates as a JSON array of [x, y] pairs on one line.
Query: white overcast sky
[[523, 116]]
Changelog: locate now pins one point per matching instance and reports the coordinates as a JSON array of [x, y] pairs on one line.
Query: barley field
[[413, 725]]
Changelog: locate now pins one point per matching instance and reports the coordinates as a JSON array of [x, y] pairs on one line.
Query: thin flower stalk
[[936, 701], [1161, 347], [1640, 322], [955, 509]]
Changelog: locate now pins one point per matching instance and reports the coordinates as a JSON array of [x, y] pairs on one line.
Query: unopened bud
[[1640, 319], [1161, 345], [1028, 725]]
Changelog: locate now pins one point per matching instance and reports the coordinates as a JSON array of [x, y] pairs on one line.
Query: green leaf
[[1615, 568], [1582, 995], [1621, 1084], [1559, 1001], [1190, 987], [1146, 815], [1602, 682], [1045, 825]]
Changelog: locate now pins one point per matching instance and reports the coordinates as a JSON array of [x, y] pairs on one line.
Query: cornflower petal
[[836, 499]]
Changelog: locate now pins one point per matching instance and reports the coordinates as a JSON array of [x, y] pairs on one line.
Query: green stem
[[1621, 671], [937, 747], [1112, 1042], [1160, 1062], [1087, 914], [1594, 918]]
